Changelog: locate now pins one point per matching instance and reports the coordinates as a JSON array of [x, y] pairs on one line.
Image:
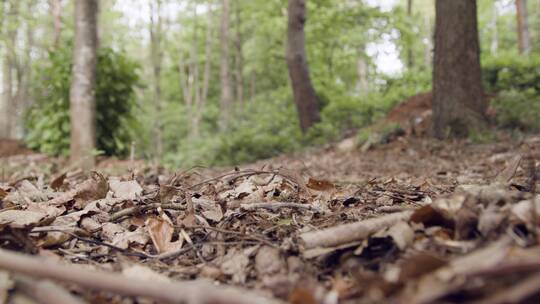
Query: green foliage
[[518, 109], [510, 72], [516, 82], [48, 122], [266, 127]]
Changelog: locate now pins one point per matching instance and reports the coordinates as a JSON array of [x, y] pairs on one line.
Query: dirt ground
[[413, 221]]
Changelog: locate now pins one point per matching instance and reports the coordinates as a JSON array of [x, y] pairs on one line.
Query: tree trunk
[[362, 70], [524, 40], [203, 96], [55, 7], [495, 30], [156, 54], [303, 91], [410, 57], [458, 103], [428, 47], [82, 91], [9, 70], [7, 97], [226, 100], [239, 57]]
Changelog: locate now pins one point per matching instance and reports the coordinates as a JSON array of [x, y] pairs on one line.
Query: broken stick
[[343, 234], [177, 292]]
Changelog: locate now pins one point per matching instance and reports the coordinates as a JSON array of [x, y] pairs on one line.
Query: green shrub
[[267, 127], [518, 109], [48, 123], [508, 72]]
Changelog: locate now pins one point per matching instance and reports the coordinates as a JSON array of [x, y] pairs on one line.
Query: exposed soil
[[413, 221], [10, 147]]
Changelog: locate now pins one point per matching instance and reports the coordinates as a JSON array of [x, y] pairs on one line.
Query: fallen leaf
[[125, 189], [21, 218], [161, 232]]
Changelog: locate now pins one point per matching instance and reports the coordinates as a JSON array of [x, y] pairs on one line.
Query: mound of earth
[[413, 114], [10, 147]]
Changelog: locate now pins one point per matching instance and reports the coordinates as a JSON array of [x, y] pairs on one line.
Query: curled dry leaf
[[161, 232], [92, 189]]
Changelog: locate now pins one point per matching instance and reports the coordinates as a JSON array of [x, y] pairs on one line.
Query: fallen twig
[[183, 292], [138, 209], [342, 234], [274, 206]]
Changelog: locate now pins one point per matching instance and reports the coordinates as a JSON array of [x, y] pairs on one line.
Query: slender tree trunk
[[303, 91], [55, 7], [7, 96], [252, 86], [10, 69], [155, 53], [410, 57], [362, 70], [458, 103], [226, 100], [428, 47], [524, 40], [82, 91], [203, 96], [239, 57], [495, 30]]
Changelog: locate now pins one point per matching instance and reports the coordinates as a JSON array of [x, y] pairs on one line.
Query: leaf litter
[[412, 221]]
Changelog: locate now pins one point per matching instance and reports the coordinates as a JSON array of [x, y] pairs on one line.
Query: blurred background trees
[[207, 81]]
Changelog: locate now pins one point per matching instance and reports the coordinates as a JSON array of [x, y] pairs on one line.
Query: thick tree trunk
[[82, 91], [303, 91], [155, 54], [226, 100], [458, 102], [524, 40]]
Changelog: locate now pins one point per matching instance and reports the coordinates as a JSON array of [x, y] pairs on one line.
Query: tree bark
[[410, 57], [428, 47], [303, 91], [239, 57], [524, 40], [226, 100], [494, 47], [83, 85], [8, 69], [7, 96], [156, 55], [55, 7], [362, 70], [458, 102]]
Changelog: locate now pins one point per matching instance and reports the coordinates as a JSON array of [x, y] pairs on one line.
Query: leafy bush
[[518, 109], [516, 82], [508, 72], [48, 122], [267, 127]]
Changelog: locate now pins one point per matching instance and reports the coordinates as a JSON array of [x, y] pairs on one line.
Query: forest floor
[[412, 221]]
